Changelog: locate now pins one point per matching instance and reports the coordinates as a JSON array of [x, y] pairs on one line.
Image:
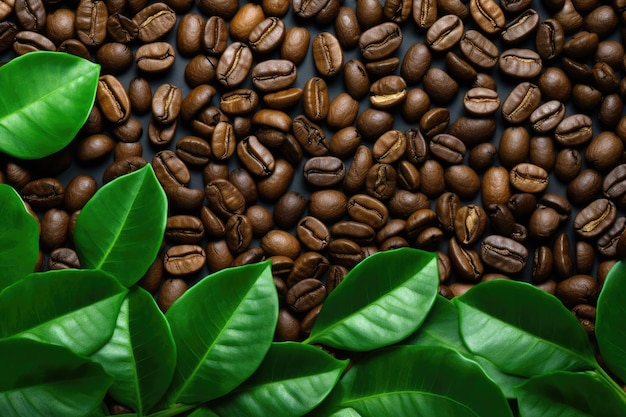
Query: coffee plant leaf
[[421, 380], [223, 326], [75, 308], [121, 227], [140, 355], [292, 380], [202, 412], [576, 394], [441, 328], [610, 319], [522, 329], [381, 301], [19, 238], [346, 412], [45, 98], [40, 379]]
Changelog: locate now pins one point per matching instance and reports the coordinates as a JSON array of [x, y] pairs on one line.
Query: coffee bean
[[327, 54], [184, 229], [170, 291], [305, 295], [328, 205], [465, 262], [595, 218], [315, 99], [184, 259], [529, 178], [578, 289], [503, 254], [279, 242], [154, 21], [313, 234], [63, 258], [324, 171], [91, 22], [289, 209]]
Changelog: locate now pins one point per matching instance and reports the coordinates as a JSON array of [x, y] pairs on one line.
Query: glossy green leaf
[[19, 238], [421, 381], [610, 319], [202, 412], [292, 380], [569, 394], [47, 380], [223, 327], [74, 308], [381, 301], [121, 227], [521, 329], [45, 98], [441, 328], [140, 355], [346, 412]]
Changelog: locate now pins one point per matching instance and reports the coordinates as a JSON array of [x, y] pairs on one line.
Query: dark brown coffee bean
[[481, 101], [358, 232], [495, 186], [166, 104], [614, 184], [170, 291], [608, 242], [447, 206], [521, 27], [558, 203], [465, 262], [488, 15], [305, 295], [434, 121], [479, 50], [482, 156], [279, 242], [234, 64], [342, 112], [310, 136], [313, 234], [78, 191], [503, 254], [63, 258], [91, 22], [272, 187], [408, 176], [543, 223], [470, 223], [324, 171], [267, 35], [542, 264], [424, 13], [568, 164], [218, 256], [184, 229], [327, 54], [380, 41], [521, 102], [368, 210], [529, 178], [380, 181], [289, 209], [604, 151], [224, 198], [447, 148], [356, 79], [273, 75], [550, 39], [372, 123], [154, 21], [238, 233], [94, 147], [445, 33], [595, 218], [309, 265], [328, 205], [122, 167], [389, 147], [578, 289], [140, 95], [585, 187], [403, 203], [416, 62], [347, 27], [189, 34], [295, 45], [315, 99], [255, 157], [387, 92], [520, 63], [432, 178], [345, 252], [546, 117], [184, 259], [473, 130], [462, 180], [440, 87], [8, 30], [113, 99], [44, 193], [54, 228]]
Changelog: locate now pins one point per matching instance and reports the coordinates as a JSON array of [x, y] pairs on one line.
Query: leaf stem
[[611, 382], [174, 410]]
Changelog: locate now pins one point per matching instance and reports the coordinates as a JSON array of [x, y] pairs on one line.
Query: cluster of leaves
[[69, 338]]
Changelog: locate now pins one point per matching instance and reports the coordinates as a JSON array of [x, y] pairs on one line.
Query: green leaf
[[141, 354], [522, 329], [610, 318], [223, 327], [569, 394], [74, 308], [202, 412], [121, 227], [45, 98], [421, 381], [19, 238], [441, 328], [346, 412], [47, 380], [292, 380], [381, 301]]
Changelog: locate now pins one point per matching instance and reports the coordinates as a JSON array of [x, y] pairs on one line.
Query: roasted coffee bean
[[310, 136], [481, 101], [328, 205], [478, 49], [327, 54], [447, 206], [283, 99], [495, 186], [276, 184], [305, 295], [309, 265], [578, 289], [380, 41], [8, 30], [342, 112], [313, 234], [218, 256], [358, 232], [419, 221], [121, 28], [550, 39], [614, 184], [315, 99], [122, 167], [447, 148], [514, 146], [440, 87], [63, 258], [424, 13], [504, 254], [289, 209], [113, 99], [521, 27], [520, 63], [114, 57], [389, 147], [238, 102], [224, 198], [356, 79], [543, 223], [445, 33], [416, 62], [585, 187], [521, 102], [501, 219], [547, 117], [295, 45], [234, 64], [607, 243], [368, 210], [324, 171], [554, 84], [347, 27], [189, 34], [255, 156], [201, 69], [78, 191], [380, 181], [345, 252], [238, 233], [166, 104], [434, 121], [91, 22], [170, 291], [568, 164], [604, 151], [267, 35], [465, 262], [193, 150], [287, 326], [154, 21], [402, 203], [387, 92], [611, 110], [408, 176], [184, 229], [470, 223], [482, 156], [542, 264], [279, 242], [245, 183], [273, 75], [214, 37], [223, 141], [140, 95], [488, 15], [462, 180], [372, 123], [252, 255], [184, 259], [44, 193], [595, 218], [432, 178], [529, 178], [415, 105], [54, 228]]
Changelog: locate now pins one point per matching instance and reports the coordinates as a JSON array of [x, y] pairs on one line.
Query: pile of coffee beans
[[316, 133]]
